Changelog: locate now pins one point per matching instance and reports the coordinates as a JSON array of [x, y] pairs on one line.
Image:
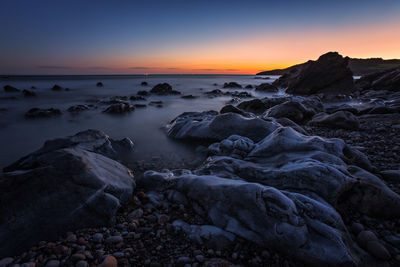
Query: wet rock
[[213, 126], [232, 85], [143, 93], [78, 108], [10, 89], [188, 97], [119, 108], [329, 75], [255, 106], [144, 84], [79, 189], [42, 113], [249, 86], [163, 89], [28, 93], [137, 98], [56, 87], [339, 119], [267, 87], [99, 84]]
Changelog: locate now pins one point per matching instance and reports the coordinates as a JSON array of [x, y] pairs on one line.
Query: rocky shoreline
[[287, 181]]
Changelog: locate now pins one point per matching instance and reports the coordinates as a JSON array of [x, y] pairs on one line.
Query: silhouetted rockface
[[359, 66], [329, 74]]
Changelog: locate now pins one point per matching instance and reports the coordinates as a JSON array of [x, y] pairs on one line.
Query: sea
[[20, 136]]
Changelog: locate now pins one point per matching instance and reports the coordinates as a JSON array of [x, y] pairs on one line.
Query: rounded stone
[[109, 261], [378, 250]]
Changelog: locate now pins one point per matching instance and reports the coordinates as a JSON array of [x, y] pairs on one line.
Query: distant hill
[[359, 66]]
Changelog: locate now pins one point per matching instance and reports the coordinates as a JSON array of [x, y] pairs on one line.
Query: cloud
[[173, 68], [54, 67], [232, 69], [139, 68], [207, 69]]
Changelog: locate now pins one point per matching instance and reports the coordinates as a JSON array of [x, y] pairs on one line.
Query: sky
[[171, 36]]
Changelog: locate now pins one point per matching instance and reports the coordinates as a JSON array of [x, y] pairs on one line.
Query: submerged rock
[[329, 74], [339, 119], [119, 108], [78, 108], [232, 85], [28, 93], [163, 89], [99, 84], [56, 87], [137, 98], [188, 97], [42, 113], [211, 126], [143, 93], [10, 89], [61, 187], [144, 84]]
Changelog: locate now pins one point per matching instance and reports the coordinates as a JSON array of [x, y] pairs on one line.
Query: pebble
[[78, 257], [183, 260], [81, 264], [114, 239], [53, 263], [378, 250], [200, 258], [118, 255], [136, 214], [109, 261], [366, 236], [356, 228], [98, 237]]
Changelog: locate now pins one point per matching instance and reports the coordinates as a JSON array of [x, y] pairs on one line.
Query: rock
[[137, 98], [292, 110], [213, 126], [366, 236], [109, 261], [98, 237], [329, 75], [391, 175], [77, 108], [183, 260], [78, 257], [378, 250], [267, 87], [28, 93], [382, 80], [144, 84], [143, 93], [52, 263], [140, 105], [249, 86], [188, 97], [255, 106], [81, 264], [163, 89], [288, 123], [208, 235], [119, 108], [356, 228], [56, 87], [10, 89], [233, 109], [232, 85], [339, 119], [79, 189], [42, 113], [136, 214], [99, 84], [158, 104]]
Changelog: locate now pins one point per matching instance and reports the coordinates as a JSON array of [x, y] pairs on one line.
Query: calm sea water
[[20, 136]]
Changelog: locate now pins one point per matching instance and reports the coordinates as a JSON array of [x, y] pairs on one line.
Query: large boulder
[[163, 89], [382, 80], [61, 187], [292, 110], [329, 74], [339, 119], [285, 192], [211, 126], [267, 88]]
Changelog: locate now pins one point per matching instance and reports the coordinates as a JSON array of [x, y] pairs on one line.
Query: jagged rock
[[233, 109], [382, 80], [232, 85], [10, 89], [212, 126], [163, 89], [267, 87], [292, 110], [119, 108], [56, 87], [28, 93], [99, 84], [78, 108], [42, 113], [339, 119], [61, 187], [329, 75]]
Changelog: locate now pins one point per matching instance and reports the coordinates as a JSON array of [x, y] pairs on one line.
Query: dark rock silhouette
[[10, 89], [56, 87], [99, 84], [382, 80], [232, 85], [267, 87], [28, 93], [163, 89], [42, 113]]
